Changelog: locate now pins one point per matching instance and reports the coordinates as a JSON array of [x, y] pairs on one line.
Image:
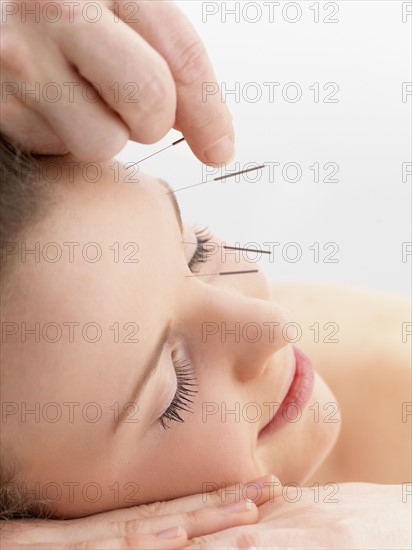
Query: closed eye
[[181, 402], [202, 251]]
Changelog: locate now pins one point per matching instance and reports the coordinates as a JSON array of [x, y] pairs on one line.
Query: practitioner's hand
[[143, 527], [366, 516], [147, 65]]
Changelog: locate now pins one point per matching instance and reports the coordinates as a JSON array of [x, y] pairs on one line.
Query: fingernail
[[172, 533], [236, 507], [222, 151], [264, 481]]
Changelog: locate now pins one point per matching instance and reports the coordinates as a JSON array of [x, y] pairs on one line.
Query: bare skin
[[369, 343], [368, 370], [147, 64]]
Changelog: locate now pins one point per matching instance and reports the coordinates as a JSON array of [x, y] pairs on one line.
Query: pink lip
[[300, 389]]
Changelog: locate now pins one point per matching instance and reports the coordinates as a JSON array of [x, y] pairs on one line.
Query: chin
[[324, 433], [304, 446]]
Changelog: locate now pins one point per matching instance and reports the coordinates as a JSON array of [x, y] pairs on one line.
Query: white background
[[367, 133]]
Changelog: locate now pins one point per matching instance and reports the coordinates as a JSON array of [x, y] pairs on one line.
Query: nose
[[241, 331]]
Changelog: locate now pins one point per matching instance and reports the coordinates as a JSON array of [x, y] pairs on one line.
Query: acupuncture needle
[[219, 178], [157, 152], [224, 273], [244, 271], [232, 247]]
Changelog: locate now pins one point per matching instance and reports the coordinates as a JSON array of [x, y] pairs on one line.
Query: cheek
[[196, 457]]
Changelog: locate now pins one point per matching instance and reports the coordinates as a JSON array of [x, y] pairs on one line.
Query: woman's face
[[100, 349]]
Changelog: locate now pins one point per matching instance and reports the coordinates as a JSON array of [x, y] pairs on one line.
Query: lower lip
[[300, 390]]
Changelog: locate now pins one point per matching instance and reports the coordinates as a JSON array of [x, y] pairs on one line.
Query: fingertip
[[173, 533], [208, 130], [264, 489], [220, 152]]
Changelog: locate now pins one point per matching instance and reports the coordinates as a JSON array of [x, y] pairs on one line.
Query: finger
[[67, 103], [166, 540], [204, 121], [29, 129], [196, 522], [261, 490], [134, 80], [186, 511], [169, 539], [154, 517]]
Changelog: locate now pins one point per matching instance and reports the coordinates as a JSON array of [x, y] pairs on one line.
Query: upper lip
[[286, 388]]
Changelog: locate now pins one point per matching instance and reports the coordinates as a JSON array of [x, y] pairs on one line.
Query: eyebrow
[[154, 359]]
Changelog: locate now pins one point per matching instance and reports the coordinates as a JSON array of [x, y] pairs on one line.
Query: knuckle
[[216, 498], [191, 63], [152, 510], [16, 55], [147, 510], [126, 528], [73, 13], [157, 106], [154, 96], [195, 516], [204, 542]]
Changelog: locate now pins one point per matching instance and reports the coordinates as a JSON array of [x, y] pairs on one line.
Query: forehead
[[99, 258], [101, 238], [92, 191]]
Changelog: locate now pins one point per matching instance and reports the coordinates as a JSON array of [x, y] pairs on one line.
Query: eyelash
[[185, 373], [201, 254], [186, 379]]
